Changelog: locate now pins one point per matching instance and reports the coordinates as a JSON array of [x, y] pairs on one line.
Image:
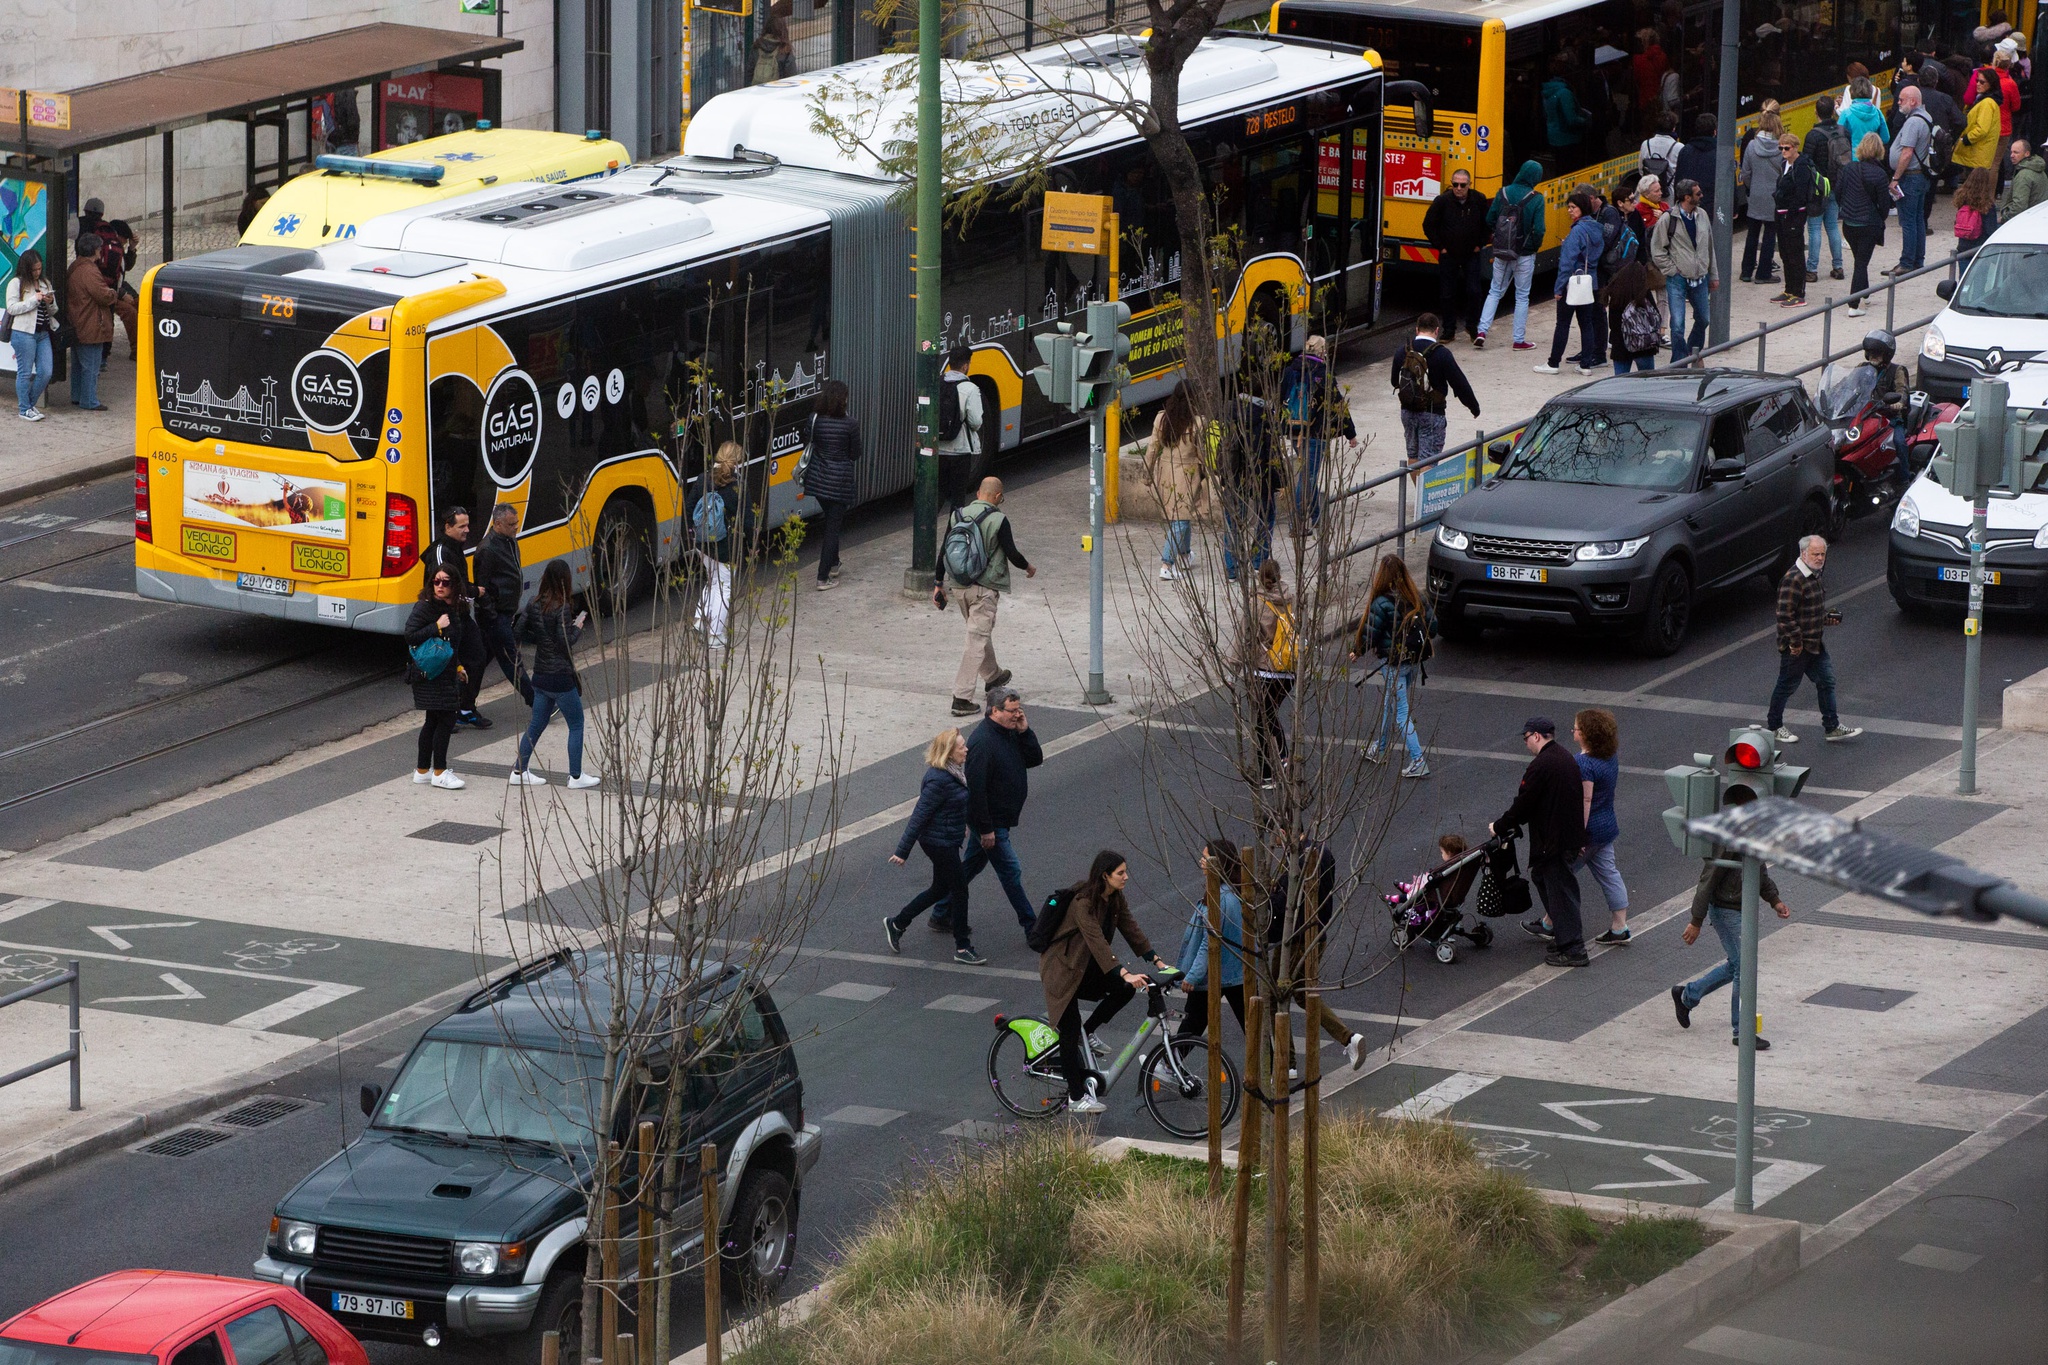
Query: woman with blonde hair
[[718, 538], [938, 825], [1762, 164]]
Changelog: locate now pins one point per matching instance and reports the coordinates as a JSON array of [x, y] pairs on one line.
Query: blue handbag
[[430, 659]]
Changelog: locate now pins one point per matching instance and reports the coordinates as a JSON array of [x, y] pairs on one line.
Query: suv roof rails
[[492, 991]]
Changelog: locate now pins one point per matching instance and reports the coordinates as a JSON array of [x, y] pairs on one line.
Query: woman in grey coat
[[1761, 164]]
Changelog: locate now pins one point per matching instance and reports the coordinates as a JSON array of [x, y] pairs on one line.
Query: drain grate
[[184, 1142], [452, 832], [261, 1112]]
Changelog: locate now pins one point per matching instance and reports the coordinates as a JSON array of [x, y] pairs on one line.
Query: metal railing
[[1403, 528], [71, 1055]]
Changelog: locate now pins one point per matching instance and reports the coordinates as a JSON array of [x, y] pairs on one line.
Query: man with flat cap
[[1551, 803]]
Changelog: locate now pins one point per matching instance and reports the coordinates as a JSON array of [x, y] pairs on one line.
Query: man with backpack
[[1828, 147], [960, 419], [1682, 249], [1456, 226], [1515, 219], [1425, 375], [977, 553], [1913, 165], [1658, 156]]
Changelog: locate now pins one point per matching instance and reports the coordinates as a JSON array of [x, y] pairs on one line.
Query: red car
[[168, 1317]]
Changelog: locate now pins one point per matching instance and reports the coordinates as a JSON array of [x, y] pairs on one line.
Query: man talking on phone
[[1803, 617]]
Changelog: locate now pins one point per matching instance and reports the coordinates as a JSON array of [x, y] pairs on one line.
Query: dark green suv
[[460, 1213]]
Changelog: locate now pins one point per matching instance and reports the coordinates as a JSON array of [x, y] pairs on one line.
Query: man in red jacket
[[1551, 802]]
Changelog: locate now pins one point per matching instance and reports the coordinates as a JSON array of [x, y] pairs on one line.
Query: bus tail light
[[401, 534], [142, 531]]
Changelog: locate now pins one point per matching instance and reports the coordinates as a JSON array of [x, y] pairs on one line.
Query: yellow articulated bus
[[1578, 85], [330, 203], [306, 416]]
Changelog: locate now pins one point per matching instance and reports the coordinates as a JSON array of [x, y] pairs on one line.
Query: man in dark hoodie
[[1550, 802], [1456, 226], [1514, 249], [1700, 159]]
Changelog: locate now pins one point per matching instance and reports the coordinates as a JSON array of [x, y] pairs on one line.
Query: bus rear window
[[1445, 57], [256, 360]]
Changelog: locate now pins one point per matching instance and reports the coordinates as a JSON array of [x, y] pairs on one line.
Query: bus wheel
[[622, 555]]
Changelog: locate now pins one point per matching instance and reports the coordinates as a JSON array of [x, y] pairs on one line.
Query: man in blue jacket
[[1581, 256]]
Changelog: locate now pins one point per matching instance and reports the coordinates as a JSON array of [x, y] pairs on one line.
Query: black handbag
[[1503, 890]]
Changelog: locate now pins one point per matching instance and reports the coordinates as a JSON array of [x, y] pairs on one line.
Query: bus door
[[1343, 227]]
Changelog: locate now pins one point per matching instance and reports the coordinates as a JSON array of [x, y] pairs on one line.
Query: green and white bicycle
[[1024, 1068]]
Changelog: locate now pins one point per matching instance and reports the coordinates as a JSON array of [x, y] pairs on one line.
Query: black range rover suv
[[459, 1213], [1627, 497]]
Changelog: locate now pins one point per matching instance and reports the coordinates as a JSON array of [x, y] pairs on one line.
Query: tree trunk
[[1166, 53]]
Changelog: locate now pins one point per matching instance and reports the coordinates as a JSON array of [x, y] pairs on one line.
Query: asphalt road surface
[[892, 1048]]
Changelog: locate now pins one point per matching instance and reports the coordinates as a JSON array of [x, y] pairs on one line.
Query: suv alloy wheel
[[1670, 615], [760, 1239]]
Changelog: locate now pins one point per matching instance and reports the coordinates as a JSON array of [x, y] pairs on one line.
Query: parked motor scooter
[[1867, 477]]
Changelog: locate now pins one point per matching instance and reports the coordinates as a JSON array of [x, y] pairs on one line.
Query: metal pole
[[1096, 695], [1113, 420], [170, 195], [924, 537], [1827, 327], [76, 1051], [1401, 511], [1726, 111], [1745, 1060], [1973, 648]]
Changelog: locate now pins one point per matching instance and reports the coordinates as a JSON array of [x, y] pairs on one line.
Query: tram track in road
[[73, 524], [356, 684], [74, 559]]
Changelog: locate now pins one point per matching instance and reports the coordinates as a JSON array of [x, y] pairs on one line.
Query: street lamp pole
[[1745, 1060], [1728, 111], [924, 540]]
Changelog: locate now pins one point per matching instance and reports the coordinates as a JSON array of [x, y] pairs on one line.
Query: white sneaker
[[526, 779], [1784, 736], [1416, 769], [1087, 1104], [447, 781], [1545, 369], [1856, 312], [31, 416], [1167, 573], [587, 780], [421, 778], [1097, 1046], [1355, 1051]]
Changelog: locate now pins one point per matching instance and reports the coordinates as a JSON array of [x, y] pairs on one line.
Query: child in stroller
[[1426, 909]]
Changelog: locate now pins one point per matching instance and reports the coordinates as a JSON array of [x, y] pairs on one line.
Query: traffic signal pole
[[1098, 422], [1989, 399], [1745, 1060], [924, 536]]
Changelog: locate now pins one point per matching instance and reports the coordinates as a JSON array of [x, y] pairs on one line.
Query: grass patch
[[1638, 1250], [1031, 1252]]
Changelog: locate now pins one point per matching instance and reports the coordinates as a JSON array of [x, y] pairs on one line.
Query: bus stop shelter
[[42, 135]]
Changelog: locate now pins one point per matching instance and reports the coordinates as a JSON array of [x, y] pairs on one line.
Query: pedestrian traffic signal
[[1751, 764], [1055, 378], [1956, 465], [1100, 354], [2024, 459], [1697, 789]]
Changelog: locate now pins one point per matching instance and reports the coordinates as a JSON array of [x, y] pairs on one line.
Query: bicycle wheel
[[1176, 1087], [1028, 1090]]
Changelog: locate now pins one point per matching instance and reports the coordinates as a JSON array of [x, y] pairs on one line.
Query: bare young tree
[[670, 894]]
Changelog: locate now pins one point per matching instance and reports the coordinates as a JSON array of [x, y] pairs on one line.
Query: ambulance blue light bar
[[418, 171]]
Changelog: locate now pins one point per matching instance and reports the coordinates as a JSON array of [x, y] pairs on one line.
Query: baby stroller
[[1427, 909]]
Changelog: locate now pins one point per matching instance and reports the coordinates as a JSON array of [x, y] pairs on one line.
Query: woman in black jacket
[[1863, 193], [939, 827], [829, 477], [545, 624], [442, 613]]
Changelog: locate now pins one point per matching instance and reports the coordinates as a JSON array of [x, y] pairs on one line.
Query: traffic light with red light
[[1751, 764]]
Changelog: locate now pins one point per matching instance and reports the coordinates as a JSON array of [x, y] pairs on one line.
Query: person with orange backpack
[[1273, 660]]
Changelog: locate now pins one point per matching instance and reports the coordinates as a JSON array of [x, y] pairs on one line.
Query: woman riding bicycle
[[1080, 965]]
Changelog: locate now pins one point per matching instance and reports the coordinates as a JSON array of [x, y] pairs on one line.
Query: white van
[[1997, 314], [1928, 562]]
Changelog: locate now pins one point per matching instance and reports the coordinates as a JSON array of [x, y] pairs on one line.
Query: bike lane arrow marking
[[107, 931], [1685, 1177], [184, 992], [1567, 1109]]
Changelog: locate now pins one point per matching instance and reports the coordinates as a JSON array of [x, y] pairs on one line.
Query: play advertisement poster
[[227, 496]]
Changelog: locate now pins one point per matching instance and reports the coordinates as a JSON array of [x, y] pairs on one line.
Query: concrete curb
[[120, 1126], [735, 1339], [1757, 1253], [71, 478]]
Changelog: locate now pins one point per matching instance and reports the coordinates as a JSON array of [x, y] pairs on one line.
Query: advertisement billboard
[[24, 226], [255, 500]]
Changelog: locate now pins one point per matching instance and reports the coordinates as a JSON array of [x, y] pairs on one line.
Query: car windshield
[[1845, 390], [2005, 282], [1613, 447], [16, 1352], [484, 1090]]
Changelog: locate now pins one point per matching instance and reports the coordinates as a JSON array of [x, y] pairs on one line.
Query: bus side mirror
[[1425, 119], [1421, 103]]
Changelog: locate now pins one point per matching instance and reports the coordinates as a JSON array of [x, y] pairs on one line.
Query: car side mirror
[[1945, 290], [1498, 451], [1724, 471], [369, 1097]]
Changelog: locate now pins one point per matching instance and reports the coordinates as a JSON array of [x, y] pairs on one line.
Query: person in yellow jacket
[[1978, 146]]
